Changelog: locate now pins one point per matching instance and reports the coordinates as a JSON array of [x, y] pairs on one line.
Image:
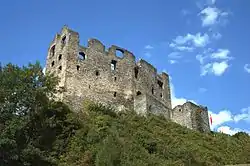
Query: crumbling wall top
[[96, 45], [113, 51]]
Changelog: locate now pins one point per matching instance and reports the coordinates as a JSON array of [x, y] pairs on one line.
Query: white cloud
[[148, 47], [231, 131], [197, 40], [200, 41], [247, 68], [211, 16], [216, 68], [219, 68], [226, 116], [200, 58], [181, 48], [221, 54], [220, 118], [244, 115]]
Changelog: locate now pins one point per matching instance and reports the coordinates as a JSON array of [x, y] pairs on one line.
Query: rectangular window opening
[[136, 72], [53, 63], [113, 65]]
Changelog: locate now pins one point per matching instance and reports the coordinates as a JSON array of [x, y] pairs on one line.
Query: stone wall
[[102, 76], [192, 116]]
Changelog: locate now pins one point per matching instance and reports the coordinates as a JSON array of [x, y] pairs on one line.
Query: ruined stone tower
[[100, 75]]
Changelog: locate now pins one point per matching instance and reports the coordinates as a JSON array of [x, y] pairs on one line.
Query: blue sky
[[202, 44]]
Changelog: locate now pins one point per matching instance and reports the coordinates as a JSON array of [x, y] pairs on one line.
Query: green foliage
[[35, 130]]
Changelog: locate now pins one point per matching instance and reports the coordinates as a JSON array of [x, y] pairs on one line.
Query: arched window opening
[[52, 50], [136, 72], [97, 73], [115, 78], [60, 57], [81, 56], [53, 63], [179, 110], [113, 64], [64, 40], [119, 53], [138, 93]]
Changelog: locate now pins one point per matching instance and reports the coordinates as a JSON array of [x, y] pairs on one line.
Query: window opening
[[114, 94], [152, 90], [60, 67], [53, 63], [60, 57], [136, 72], [119, 53], [113, 64], [160, 84], [64, 40], [138, 93], [52, 50], [115, 78], [97, 73], [161, 95], [78, 67], [81, 56]]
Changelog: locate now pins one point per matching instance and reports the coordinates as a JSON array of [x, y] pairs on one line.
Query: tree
[[32, 127]]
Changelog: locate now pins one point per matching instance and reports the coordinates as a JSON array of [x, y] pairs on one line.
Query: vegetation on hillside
[[35, 130]]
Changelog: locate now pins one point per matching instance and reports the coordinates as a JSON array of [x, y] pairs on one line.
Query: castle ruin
[[102, 76]]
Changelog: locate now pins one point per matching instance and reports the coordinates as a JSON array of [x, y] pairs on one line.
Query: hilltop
[[35, 130]]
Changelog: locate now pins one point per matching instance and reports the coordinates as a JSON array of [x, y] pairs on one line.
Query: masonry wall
[[93, 73], [192, 116], [182, 116], [155, 86], [156, 107]]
